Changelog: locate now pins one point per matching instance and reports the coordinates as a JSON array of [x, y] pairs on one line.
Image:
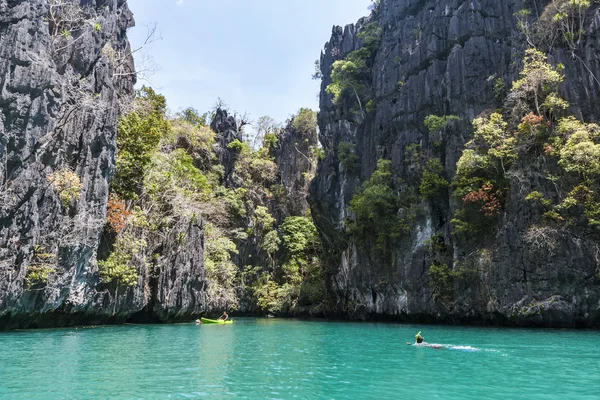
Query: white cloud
[[179, 2]]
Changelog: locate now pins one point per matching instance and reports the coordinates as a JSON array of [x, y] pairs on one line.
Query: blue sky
[[257, 55]]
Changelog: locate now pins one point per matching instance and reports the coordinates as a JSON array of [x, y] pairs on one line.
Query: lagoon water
[[283, 359]]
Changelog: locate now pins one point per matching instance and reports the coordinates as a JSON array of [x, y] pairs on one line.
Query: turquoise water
[[261, 359]]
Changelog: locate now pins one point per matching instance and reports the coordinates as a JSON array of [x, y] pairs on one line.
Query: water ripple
[[260, 359]]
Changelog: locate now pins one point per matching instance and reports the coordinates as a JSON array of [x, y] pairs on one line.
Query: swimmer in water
[[419, 339]]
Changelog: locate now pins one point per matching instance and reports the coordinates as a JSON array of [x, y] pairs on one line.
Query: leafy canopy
[[138, 135]]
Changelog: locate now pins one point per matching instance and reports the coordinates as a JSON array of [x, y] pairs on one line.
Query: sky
[[256, 55]]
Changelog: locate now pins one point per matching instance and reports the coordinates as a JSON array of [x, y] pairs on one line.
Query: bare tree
[[241, 120], [263, 126], [145, 64]]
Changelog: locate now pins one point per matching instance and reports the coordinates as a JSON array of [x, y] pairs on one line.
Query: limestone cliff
[[65, 68], [444, 58]]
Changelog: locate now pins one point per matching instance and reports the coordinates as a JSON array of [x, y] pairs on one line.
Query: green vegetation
[[352, 75], [168, 178], [580, 152], [538, 80], [347, 156], [37, 275], [118, 267], [561, 24], [532, 137], [432, 182], [375, 209], [67, 184], [435, 123], [220, 269], [305, 121], [499, 88], [300, 273], [139, 133], [442, 278], [41, 265]]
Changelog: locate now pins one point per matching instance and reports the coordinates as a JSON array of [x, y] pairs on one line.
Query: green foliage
[[192, 116], [271, 242], [318, 153], [460, 224], [268, 293], [435, 123], [118, 267], [270, 141], [169, 172], [413, 154], [582, 198], [432, 181], [266, 132], [562, 23], [538, 198], [566, 150], [347, 156], [353, 74], [197, 140], [299, 272], [444, 277], [376, 207], [37, 275], [499, 88], [234, 200], [537, 74], [274, 298], [371, 35], [554, 104], [220, 270], [256, 168], [42, 264], [173, 179], [370, 106], [538, 79], [263, 220], [238, 146], [299, 236], [581, 152], [67, 184], [346, 75], [480, 179], [486, 157], [305, 122], [139, 133]]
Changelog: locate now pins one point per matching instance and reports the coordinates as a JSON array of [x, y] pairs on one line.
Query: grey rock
[[448, 55], [59, 103]]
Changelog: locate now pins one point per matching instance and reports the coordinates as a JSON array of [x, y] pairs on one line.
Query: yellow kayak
[[215, 321]]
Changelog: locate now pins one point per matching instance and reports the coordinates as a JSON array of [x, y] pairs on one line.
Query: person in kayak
[[198, 322], [223, 317]]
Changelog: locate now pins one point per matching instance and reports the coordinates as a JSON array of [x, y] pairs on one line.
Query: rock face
[[63, 71], [226, 131], [296, 166], [443, 58]]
